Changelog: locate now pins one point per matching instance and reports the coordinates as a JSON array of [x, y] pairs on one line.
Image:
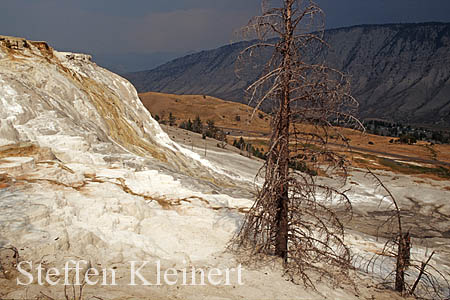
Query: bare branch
[[294, 218]]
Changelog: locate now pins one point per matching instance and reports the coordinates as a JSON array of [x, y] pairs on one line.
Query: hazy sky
[[117, 28]]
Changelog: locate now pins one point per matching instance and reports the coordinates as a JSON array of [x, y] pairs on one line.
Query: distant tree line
[[208, 129], [406, 134], [298, 163], [241, 144]]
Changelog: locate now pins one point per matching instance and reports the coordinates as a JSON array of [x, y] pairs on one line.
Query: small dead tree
[[402, 239], [398, 245], [292, 217]]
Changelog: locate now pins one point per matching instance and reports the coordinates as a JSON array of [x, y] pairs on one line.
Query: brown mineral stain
[[4, 181]]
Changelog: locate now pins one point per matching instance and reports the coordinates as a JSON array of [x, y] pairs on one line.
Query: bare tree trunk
[[404, 242], [283, 144], [403, 255]]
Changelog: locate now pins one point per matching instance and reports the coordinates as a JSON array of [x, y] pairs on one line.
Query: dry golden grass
[[224, 114]]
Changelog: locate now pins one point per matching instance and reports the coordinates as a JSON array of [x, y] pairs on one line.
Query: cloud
[[354, 12], [139, 8], [137, 26], [146, 26], [180, 30]]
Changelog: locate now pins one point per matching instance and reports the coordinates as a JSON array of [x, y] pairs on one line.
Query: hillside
[[370, 150], [400, 72], [224, 113], [87, 174]]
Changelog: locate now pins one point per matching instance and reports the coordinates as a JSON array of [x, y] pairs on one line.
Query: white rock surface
[[17, 165], [8, 133], [119, 188]]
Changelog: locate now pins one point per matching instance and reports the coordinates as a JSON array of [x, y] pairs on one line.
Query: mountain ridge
[[400, 72]]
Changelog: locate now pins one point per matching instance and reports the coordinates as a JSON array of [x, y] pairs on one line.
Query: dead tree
[[402, 239], [291, 217], [431, 284]]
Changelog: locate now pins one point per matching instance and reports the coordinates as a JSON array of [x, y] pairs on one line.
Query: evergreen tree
[[197, 126], [172, 119]]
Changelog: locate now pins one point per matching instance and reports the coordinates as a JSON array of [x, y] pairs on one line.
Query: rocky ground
[[109, 215], [424, 204]]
